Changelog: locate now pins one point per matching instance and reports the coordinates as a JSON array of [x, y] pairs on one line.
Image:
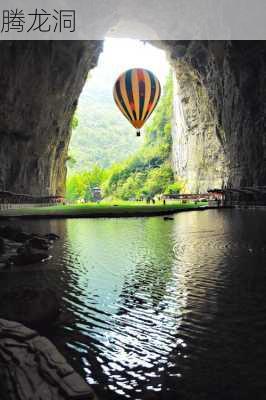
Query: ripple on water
[[176, 307]]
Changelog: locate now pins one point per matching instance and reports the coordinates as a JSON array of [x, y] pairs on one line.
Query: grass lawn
[[92, 210]]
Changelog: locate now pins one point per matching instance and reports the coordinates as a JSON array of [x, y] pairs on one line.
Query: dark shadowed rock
[[27, 259], [38, 243], [2, 246], [40, 85], [26, 245], [32, 368], [52, 236], [14, 233]]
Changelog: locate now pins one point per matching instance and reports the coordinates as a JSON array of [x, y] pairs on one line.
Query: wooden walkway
[[10, 200]]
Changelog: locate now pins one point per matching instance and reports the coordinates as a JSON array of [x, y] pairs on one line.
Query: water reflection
[[174, 306], [131, 282]]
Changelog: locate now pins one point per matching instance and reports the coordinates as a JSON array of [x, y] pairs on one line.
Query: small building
[[217, 197], [96, 194], [241, 196], [184, 197]]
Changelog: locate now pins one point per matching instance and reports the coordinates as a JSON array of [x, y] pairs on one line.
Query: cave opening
[[40, 139], [101, 135]]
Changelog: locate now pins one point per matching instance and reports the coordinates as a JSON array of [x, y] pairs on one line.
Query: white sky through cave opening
[[121, 54], [118, 55]]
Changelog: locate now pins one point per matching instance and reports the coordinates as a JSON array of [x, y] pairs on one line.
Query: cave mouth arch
[[46, 89], [102, 135], [198, 155], [42, 84]]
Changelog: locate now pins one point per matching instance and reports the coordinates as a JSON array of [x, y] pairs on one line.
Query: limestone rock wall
[[197, 154], [40, 83], [219, 134]]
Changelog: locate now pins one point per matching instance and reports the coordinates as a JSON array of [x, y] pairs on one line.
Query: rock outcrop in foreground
[[32, 368]]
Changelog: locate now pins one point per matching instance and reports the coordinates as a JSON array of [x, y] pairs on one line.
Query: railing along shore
[[10, 200]]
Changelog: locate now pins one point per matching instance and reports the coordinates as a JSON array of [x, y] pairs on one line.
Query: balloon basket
[[138, 133]]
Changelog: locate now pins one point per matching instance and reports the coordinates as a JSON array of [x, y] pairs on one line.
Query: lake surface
[[177, 307]]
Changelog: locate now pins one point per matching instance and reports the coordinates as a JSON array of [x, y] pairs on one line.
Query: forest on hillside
[[145, 173]]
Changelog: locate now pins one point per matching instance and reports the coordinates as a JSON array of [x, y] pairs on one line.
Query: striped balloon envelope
[[136, 94]]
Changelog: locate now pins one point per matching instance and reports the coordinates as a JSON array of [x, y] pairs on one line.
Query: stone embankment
[[32, 368]]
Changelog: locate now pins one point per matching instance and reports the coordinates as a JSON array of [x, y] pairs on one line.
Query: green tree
[[80, 185], [174, 188], [148, 171], [74, 121]]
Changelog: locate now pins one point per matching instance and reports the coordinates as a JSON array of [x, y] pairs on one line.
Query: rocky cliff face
[[198, 154], [40, 83], [219, 133]]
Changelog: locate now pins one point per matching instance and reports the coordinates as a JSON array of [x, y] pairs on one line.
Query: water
[[177, 307]]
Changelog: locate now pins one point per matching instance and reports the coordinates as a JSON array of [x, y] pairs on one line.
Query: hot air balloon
[[136, 93]]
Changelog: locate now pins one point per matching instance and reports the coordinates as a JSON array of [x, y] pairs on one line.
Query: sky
[[118, 55], [121, 54]]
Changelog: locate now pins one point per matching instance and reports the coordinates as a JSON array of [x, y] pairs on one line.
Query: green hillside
[[145, 173], [148, 171]]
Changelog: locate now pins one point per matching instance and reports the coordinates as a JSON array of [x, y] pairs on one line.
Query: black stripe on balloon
[[120, 98], [142, 93], [129, 76], [153, 90]]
